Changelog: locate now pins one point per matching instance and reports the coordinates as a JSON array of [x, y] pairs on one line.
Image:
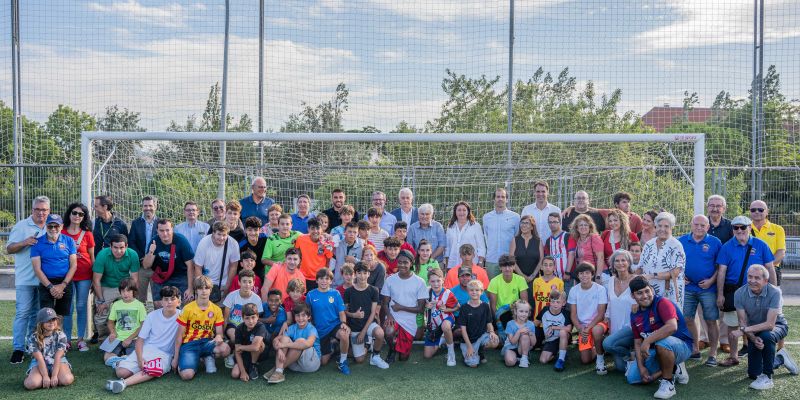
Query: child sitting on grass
[[298, 349], [124, 321], [520, 335], [475, 319], [47, 346], [249, 345], [556, 325]]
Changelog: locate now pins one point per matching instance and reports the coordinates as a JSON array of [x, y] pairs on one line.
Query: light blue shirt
[[499, 229], [23, 269], [434, 234], [193, 233]]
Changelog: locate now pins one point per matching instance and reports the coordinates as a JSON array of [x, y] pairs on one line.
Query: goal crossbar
[[697, 139]]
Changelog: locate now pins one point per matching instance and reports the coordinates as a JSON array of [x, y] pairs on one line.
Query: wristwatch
[[741, 328], [49, 286]]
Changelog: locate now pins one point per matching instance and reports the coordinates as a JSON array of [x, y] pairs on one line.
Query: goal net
[[660, 171]]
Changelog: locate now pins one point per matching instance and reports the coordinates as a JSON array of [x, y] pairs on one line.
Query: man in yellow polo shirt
[[769, 232]]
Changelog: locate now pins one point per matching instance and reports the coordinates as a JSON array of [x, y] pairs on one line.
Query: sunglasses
[[77, 213], [53, 226], [752, 210], [740, 227]]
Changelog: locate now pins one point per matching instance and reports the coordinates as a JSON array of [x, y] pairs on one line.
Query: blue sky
[[160, 57]]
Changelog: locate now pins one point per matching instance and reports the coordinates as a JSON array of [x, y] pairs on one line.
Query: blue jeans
[[190, 353], [619, 344], [678, 347], [27, 305], [179, 283], [707, 299], [762, 361], [80, 298]]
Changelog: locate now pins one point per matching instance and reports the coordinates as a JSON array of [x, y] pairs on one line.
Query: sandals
[[729, 362]]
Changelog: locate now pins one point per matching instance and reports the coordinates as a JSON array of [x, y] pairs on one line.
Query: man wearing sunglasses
[[23, 236], [734, 259], [769, 232]]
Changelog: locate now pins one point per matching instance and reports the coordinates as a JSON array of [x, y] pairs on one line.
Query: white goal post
[[694, 175]]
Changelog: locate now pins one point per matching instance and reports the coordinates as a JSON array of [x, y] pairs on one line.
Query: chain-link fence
[[726, 68]]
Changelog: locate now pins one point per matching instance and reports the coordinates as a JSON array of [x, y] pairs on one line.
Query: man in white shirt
[[499, 227], [192, 229], [541, 208], [208, 260]]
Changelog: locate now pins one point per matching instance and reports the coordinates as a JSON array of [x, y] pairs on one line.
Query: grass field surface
[[414, 379]]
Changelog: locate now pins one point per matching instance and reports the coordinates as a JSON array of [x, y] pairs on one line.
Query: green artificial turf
[[413, 379]]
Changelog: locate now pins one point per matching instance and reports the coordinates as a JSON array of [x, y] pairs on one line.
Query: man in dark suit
[[143, 231], [406, 212]]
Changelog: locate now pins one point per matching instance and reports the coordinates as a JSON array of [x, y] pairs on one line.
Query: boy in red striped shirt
[[199, 333]]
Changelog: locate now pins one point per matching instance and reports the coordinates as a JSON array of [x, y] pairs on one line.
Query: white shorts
[[308, 361], [156, 362], [361, 348]]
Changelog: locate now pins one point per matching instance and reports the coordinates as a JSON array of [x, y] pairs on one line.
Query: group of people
[[254, 282]]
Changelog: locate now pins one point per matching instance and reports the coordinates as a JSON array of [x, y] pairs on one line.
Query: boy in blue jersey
[[274, 315], [298, 349], [327, 307]]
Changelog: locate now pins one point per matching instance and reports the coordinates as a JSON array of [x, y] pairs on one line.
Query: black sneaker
[[17, 357], [391, 356], [93, 340], [253, 372]]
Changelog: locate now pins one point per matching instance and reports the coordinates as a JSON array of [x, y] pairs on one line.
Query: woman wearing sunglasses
[[78, 226]]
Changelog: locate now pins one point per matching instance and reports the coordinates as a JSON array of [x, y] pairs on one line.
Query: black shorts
[[325, 345], [778, 276], [539, 338], [551, 346]]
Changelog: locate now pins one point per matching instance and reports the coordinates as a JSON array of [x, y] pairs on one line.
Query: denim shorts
[[191, 353], [35, 363], [476, 346], [707, 299], [678, 347]]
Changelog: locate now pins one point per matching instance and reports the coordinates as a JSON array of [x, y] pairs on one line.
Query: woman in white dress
[[663, 261]]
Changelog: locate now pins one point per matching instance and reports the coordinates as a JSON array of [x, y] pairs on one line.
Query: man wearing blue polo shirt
[[257, 204], [701, 284], [54, 259], [731, 261]]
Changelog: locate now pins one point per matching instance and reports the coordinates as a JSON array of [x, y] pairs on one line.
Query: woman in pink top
[[589, 246], [618, 236]]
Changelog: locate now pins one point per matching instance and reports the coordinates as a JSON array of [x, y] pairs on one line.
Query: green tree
[[64, 126], [324, 117]]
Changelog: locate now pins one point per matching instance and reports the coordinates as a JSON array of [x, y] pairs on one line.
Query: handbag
[[160, 276], [730, 289], [216, 291]]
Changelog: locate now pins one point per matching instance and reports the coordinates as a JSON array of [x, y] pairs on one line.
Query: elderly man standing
[[430, 230], [581, 205], [54, 258], [718, 225], [387, 219], [701, 251], [406, 212], [771, 233], [759, 311], [257, 204], [23, 236], [734, 259], [541, 208]]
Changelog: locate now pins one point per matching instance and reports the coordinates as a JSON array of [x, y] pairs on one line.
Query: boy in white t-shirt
[[154, 347], [234, 302], [588, 302], [404, 295]]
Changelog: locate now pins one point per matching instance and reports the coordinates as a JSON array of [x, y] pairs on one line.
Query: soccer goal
[[659, 170]]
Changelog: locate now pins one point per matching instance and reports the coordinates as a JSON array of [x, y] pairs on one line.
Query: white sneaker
[[377, 361], [524, 363], [211, 366], [763, 382], [788, 362], [600, 367], [230, 361], [118, 386], [665, 390], [682, 374], [451, 359]]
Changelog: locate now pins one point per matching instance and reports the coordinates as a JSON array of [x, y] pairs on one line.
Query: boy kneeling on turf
[[298, 349], [556, 324], [199, 332], [155, 347], [475, 319], [361, 303], [327, 307], [249, 344], [440, 306]]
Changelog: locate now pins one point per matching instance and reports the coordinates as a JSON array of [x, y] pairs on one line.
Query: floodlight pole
[[510, 110], [223, 112], [16, 112], [260, 82]]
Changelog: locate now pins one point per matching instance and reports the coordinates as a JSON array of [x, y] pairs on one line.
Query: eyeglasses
[[260, 187], [77, 213], [740, 227], [752, 210], [218, 207], [42, 210], [53, 226], [583, 225]]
